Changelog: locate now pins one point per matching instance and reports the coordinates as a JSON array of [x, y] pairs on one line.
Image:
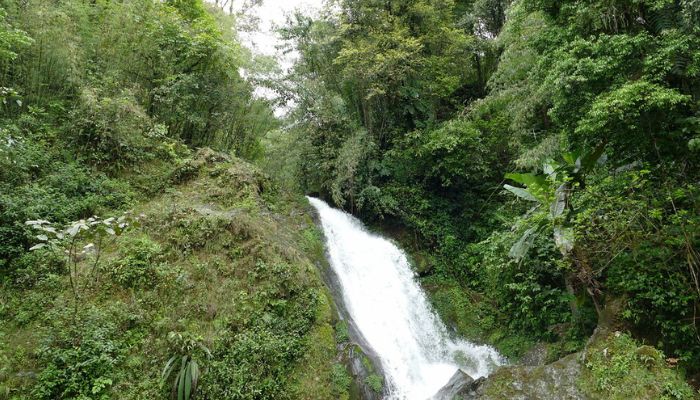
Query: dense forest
[[538, 159], [541, 153]]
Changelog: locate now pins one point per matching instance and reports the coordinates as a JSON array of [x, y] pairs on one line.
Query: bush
[[341, 381], [375, 382], [67, 192], [252, 365], [639, 242], [138, 264], [112, 131], [34, 267], [80, 358], [618, 368]]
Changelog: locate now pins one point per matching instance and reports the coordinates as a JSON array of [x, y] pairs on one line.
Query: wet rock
[[536, 356], [457, 385], [556, 381], [363, 370]]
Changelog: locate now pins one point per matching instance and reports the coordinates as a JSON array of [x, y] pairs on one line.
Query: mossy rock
[[617, 367], [368, 382], [556, 381]]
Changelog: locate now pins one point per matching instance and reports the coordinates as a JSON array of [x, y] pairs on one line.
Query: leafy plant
[[617, 367], [185, 382], [375, 382], [139, 264], [69, 238], [553, 190]]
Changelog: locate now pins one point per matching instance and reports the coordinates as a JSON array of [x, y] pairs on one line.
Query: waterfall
[[392, 312]]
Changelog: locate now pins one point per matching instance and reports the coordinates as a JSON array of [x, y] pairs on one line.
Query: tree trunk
[[569, 283]]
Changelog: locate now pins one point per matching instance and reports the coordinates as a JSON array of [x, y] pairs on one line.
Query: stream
[[392, 313]]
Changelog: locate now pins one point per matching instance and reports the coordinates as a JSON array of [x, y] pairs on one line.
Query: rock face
[[556, 381], [457, 385], [361, 369], [535, 356]]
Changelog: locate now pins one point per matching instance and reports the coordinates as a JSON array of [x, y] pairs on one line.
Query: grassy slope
[[221, 260]]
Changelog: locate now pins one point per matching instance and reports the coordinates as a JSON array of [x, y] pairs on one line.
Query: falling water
[[392, 312]]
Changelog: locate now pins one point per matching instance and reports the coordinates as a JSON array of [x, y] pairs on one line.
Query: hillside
[[222, 269]]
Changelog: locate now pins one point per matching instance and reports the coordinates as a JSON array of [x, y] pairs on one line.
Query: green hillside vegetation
[[217, 270], [102, 103]]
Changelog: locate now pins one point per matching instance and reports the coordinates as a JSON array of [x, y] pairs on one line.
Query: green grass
[[221, 258]]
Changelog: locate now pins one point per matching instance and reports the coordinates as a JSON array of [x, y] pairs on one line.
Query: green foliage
[[69, 239], [100, 101], [356, 151], [644, 253], [627, 109], [138, 264], [227, 276], [81, 359], [38, 183], [388, 128], [114, 132], [11, 40], [342, 334], [406, 112], [553, 191], [375, 382], [618, 368], [186, 380], [341, 381], [128, 75]]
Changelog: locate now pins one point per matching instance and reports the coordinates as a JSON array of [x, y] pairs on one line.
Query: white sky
[[272, 14]]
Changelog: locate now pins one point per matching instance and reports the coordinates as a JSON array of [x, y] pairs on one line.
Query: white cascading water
[[392, 312]]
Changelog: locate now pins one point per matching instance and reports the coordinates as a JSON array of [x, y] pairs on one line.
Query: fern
[[680, 64], [663, 18]]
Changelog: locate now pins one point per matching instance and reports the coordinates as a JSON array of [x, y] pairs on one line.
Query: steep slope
[[222, 270]]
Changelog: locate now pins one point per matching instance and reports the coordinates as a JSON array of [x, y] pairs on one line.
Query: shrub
[[341, 381], [138, 263], [80, 358], [618, 368], [112, 131], [375, 382]]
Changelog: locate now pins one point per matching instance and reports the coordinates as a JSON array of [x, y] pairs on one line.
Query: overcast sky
[[272, 13]]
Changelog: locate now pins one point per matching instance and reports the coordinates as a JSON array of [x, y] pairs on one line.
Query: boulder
[[455, 386], [555, 381]]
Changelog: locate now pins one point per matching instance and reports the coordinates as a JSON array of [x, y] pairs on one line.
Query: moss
[[366, 362], [617, 367], [375, 382], [342, 335]]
